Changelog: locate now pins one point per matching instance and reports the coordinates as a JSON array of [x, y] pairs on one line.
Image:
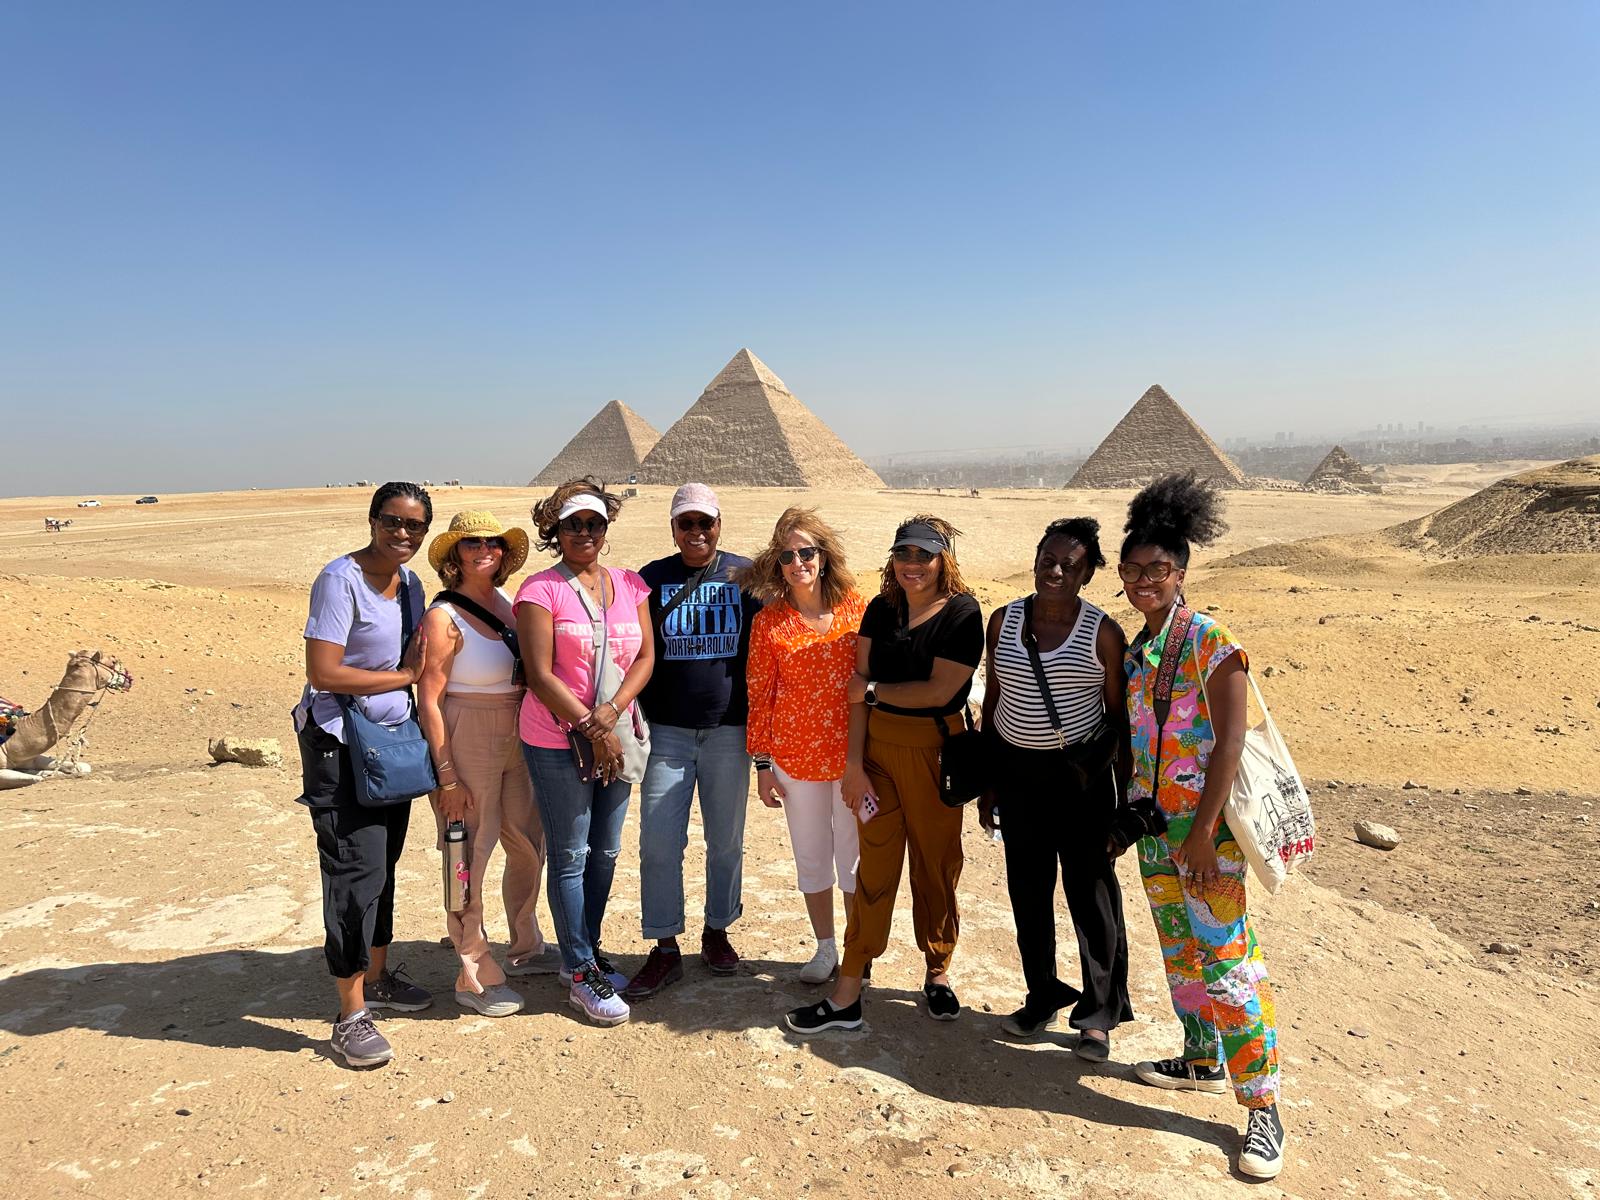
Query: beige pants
[[487, 754]]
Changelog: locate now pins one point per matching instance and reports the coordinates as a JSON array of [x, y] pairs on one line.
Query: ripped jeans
[[583, 834]]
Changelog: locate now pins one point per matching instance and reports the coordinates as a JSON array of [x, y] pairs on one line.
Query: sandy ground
[[164, 1006]]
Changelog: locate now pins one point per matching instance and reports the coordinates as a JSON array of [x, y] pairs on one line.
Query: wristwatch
[[872, 694]]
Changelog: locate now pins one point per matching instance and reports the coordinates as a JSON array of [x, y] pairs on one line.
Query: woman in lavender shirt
[[353, 649]]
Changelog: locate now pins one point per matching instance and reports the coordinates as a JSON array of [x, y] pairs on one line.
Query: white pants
[[822, 831]]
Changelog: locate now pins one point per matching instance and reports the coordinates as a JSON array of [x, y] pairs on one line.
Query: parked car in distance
[[88, 504], [147, 500]]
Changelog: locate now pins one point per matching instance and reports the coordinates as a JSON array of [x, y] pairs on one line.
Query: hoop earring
[[605, 549]]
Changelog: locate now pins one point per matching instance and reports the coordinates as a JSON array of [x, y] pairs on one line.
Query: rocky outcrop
[[1551, 510]]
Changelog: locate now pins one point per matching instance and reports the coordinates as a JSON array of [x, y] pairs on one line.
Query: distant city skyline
[[292, 244]]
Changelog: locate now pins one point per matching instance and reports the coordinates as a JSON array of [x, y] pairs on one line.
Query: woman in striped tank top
[[1058, 782]]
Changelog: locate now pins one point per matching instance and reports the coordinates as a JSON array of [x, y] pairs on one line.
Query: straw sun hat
[[479, 524]]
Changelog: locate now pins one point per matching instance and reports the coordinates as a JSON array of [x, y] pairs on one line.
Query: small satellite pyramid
[[1339, 472], [1155, 438], [748, 430], [610, 447]]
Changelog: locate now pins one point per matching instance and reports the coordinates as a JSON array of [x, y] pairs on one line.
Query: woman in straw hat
[[467, 705]]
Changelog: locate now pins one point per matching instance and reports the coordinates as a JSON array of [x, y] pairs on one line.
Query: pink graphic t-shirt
[[574, 642]]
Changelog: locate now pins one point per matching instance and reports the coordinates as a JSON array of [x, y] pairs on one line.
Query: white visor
[[583, 502]]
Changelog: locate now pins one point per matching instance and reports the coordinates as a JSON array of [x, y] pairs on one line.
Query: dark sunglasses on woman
[[1156, 572], [703, 524], [594, 526], [395, 524], [482, 543], [911, 554], [805, 554]]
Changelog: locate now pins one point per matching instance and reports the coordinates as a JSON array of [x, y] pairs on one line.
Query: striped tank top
[[1076, 675]]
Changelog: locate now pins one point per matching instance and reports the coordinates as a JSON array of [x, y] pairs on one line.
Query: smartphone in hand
[[869, 807]]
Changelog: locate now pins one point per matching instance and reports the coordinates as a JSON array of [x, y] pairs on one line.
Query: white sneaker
[[592, 994], [1264, 1138], [614, 977], [496, 1000], [823, 963]]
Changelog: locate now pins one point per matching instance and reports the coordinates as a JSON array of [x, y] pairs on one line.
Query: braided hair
[[411, 491]]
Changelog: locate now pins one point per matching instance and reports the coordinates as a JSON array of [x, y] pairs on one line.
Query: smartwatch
[[872, 694]]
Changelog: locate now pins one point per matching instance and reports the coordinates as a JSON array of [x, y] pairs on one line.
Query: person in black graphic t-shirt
[[697, 705]]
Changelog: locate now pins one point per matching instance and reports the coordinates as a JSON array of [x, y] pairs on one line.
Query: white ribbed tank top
[[483, 664], [1076, 675]]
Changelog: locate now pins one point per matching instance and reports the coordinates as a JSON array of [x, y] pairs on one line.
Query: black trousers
[[1046, 820], [357, 848]]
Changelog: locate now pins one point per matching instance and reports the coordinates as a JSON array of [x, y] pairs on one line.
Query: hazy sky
[[288, 243]]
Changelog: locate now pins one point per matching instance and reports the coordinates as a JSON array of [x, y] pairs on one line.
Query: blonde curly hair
[[763, 578]]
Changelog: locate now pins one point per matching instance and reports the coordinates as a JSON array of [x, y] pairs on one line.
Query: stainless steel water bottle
[[457, 870]]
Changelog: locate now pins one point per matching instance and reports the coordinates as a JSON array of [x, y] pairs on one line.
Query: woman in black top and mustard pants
[[921, 640]]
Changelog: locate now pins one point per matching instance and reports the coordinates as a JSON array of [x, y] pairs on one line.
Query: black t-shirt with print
[[702, 651], [901, 655]]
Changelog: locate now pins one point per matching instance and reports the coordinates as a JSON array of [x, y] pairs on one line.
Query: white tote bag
[[1269, 810]]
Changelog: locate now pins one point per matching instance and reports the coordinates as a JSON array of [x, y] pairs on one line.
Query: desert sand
[[164, 1005]]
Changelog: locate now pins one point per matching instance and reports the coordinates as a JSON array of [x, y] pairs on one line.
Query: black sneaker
[[822, 1016], [1178, 1075], [942, 1002], [1262, 1155], [393, 990], [1028, 1023]]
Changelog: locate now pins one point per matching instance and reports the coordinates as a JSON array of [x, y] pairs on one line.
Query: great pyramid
[[1550, 510], [1155, 438], [610, 447], [748, 430], [1340, 472]]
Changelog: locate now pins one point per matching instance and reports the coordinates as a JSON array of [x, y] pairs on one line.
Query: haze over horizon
[[294, 244]]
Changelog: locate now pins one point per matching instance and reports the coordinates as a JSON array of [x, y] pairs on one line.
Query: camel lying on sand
[[23, 757]]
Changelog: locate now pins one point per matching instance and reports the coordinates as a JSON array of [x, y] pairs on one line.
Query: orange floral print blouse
[[799, 714]]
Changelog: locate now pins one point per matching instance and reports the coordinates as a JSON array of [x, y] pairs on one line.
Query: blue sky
[[282, 244]]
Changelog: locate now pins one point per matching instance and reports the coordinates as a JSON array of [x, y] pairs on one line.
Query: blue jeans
[[583, 835], [679, 757]]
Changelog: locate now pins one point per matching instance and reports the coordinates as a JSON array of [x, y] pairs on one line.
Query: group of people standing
[[544, 709]]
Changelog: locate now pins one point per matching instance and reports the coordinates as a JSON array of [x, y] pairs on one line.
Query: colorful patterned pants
[[1214, 965]]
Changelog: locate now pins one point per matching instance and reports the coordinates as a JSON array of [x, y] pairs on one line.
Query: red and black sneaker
[[718, 953]]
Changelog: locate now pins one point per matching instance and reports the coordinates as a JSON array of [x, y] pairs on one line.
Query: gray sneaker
[[546, 962], [393, 990], [496, 1000], [358, 1042]]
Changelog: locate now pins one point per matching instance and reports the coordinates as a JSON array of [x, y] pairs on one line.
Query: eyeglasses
[[482, 543], [1156, 572], [688, 524], [594, 526], [395, 524], [804, 554], [911, 554]]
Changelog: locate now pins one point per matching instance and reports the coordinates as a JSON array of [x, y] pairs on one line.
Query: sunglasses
[[804, 554], [482, 543], [1156, 572], [594, 526], [911, 554], [395, 524], [688, 524]]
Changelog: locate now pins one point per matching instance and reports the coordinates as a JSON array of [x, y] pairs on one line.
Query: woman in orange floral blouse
[[802, 654]]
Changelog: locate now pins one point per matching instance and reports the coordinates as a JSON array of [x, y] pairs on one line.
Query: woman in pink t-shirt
[[582, 820]]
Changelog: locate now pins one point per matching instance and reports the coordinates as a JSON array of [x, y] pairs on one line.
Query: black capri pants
[[1046, 819], [357, 849]]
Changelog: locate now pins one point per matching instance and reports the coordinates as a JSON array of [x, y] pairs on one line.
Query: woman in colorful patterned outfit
[[1194, 874], [802, 654]]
